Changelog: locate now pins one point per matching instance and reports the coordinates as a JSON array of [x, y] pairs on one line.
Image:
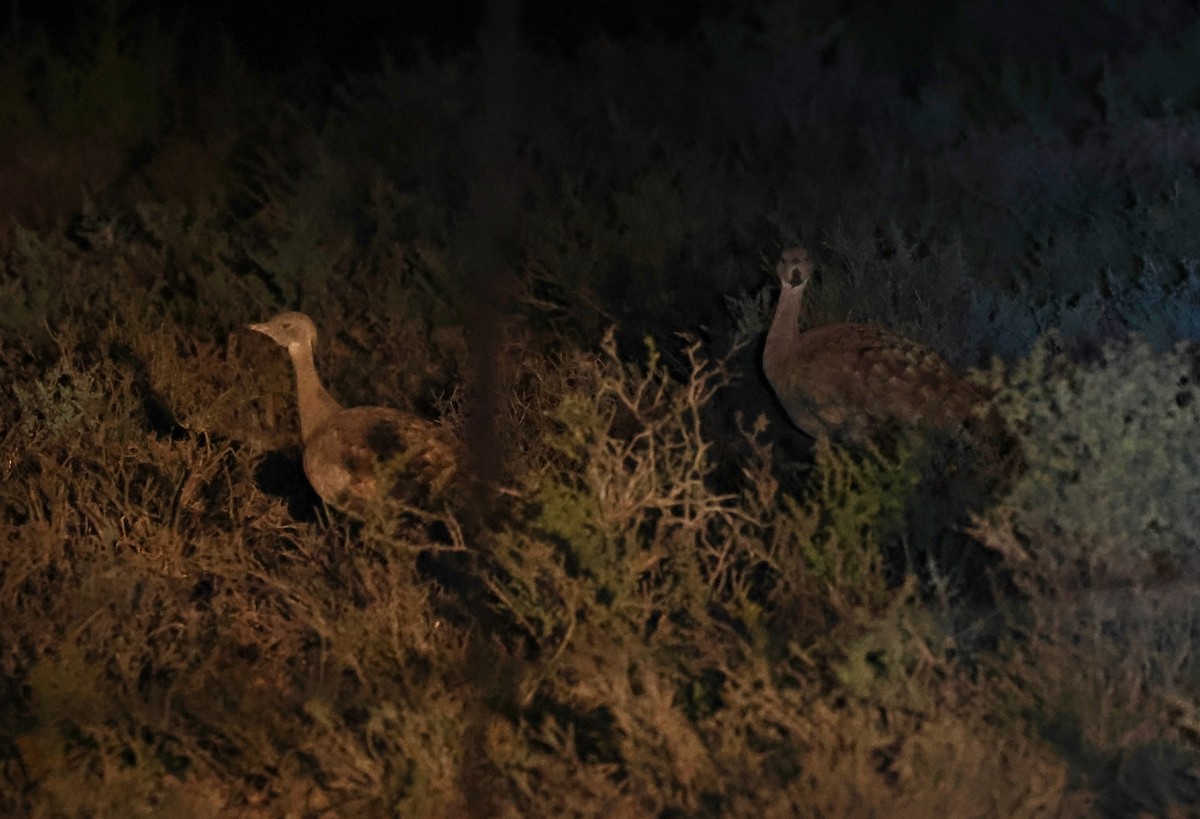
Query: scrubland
[[657, 598]]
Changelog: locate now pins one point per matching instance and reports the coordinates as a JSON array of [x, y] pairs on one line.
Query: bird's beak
[[258, 328]]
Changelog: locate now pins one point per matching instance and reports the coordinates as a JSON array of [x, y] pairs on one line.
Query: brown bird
[[855, 381], [352, 455]]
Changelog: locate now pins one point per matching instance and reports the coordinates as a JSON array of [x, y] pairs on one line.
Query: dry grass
[[621, 639]]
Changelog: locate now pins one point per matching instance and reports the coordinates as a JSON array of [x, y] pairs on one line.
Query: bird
[[855, 382], [354, 455]]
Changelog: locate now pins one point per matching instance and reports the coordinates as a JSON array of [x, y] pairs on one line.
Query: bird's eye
[[286, 325]]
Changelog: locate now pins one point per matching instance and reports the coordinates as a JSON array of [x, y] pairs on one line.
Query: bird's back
[[353, 450], [850, 380]]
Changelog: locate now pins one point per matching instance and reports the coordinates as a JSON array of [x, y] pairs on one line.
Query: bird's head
[[795, 268], [290, 330]]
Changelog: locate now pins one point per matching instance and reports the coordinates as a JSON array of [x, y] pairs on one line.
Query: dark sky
[[912, 39], [345, 34], [276, 35]]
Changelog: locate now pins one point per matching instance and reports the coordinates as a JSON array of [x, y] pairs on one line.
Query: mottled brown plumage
[[853, 381], [351, 456]]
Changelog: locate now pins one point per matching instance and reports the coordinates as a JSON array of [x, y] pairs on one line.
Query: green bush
[[1111, 480]]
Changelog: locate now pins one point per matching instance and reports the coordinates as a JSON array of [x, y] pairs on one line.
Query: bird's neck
[[784, 328], [315, 403]]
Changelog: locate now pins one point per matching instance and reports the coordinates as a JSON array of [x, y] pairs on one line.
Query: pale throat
[[786, 323]]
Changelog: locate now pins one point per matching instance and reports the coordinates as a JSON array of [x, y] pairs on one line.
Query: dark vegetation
[[660, 600]]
